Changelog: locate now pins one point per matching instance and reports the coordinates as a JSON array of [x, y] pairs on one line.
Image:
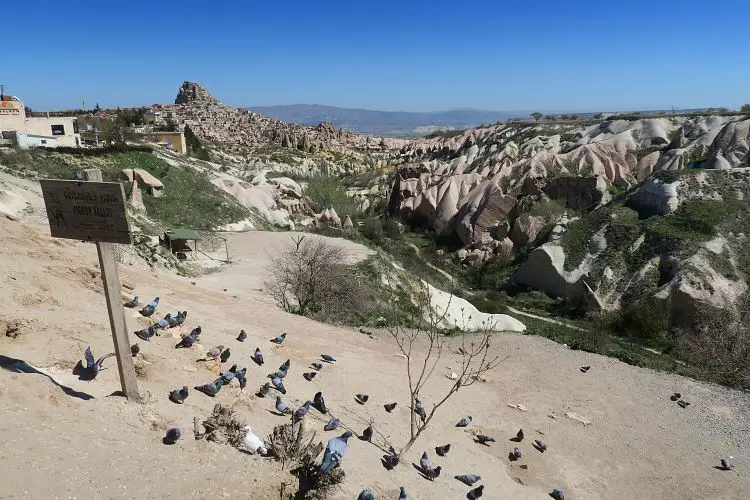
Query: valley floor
[[639, 444]]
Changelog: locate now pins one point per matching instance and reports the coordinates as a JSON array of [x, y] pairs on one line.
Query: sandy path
[[638, 445]]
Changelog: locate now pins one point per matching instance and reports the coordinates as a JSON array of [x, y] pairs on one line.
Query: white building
[[32, 131]]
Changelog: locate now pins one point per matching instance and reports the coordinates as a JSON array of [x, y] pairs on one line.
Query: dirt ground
[[84, 443]]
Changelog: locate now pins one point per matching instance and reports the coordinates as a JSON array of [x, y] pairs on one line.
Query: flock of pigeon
[[337, 447]]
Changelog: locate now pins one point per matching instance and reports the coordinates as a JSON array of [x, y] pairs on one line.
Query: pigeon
[[92, 368], [309, 376], [225, 355], [229, 375], [332, 424], [519, 436], [514, 455], [252, 442], [211, 389], [178, 319], [433, 474], [675, 396], [390, 460], [317, 366], [173, 435], [179, 395], [366, 495], [442, 450], [424, 462], [389, 407], [284, 367], [464, 422], [278, 374], [557, 494], [469, 479], [258, 357], [328, 358], [163, 323], [281, 407], [367, 434], [190, 339], [726, 463], [584, 369], [302, 411], [475, 493], [335, 452], [241, 378], [133, 303], [362, 398], [540, 445], [280, 339], [682, 404], [145, 333], [482, 439], [135, 349], [149, 308], [242, 336], [419, 410], [402, 494], [278, 385], [263, 391], [214, 352], [319, 403]]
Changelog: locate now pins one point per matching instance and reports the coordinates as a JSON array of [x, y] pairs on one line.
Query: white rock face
[[461, 313]]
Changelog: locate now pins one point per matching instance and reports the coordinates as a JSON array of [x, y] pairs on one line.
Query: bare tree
[[745, 108], [423, 346], [536, 115]]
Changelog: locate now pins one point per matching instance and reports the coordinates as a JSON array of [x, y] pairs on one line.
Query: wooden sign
[[86, 210]]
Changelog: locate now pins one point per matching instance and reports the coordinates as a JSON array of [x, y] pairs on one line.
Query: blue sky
[[405, 55]]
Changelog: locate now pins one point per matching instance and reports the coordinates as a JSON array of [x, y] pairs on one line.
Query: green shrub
[[326, 191]]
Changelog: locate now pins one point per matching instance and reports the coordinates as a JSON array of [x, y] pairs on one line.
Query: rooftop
[[181, 234]]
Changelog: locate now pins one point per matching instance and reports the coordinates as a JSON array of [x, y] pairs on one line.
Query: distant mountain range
[[385, 123]]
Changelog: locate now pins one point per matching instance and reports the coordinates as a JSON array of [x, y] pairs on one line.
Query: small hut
[[177, 242]]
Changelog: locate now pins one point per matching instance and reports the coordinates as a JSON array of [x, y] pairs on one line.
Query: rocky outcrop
[[190, 92]]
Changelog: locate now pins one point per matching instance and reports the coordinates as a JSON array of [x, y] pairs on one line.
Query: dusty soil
[[85, 443]]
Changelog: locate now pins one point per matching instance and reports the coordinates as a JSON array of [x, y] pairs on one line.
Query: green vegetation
[[194, 145], [326, 191], [445, 134]]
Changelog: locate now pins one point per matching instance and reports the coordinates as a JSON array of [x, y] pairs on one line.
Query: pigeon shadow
[[389, 462], [482, 443], [117, 394], [257, 362], [277, 413], [363, 438], [719, 467], [538, 448], [422, 472], [359, 401], [167, 441], [516, 439], [20, 366]]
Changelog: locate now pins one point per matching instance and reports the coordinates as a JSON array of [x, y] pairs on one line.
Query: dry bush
[[719, 344], [222, 426]]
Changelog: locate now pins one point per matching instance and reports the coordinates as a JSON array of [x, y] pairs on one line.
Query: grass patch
[[326, 191]]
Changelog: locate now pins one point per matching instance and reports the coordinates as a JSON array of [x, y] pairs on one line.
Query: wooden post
[[113, 293]]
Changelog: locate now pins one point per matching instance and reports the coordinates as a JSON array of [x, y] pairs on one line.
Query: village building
[[36, 131]]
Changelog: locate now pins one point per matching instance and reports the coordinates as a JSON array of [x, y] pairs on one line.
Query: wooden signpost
[[95, 211]]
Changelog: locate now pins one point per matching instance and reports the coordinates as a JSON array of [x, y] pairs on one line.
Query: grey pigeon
[[469, 479], [317, 366], [242, 336], [145, 333], [424, 462], [163, 323], [482, 439], [263, 391], [278, 385], [464, 422], [225, 355], [149, 308], [328, 358], [362, 398], [214, 352], [178, 319], [419, 409], [190, 339], [229, 375], [335, 452], [519, 436], [211, 389], [443, 450], [281, 407], [241, 377], [433, 474], [280, 339], [557, 494], [675, 396], [332, 424], [682, 404], [133, 303], [179, 395], [514, 455], [367, 433], [258, 357], [173, 435], [402, 494], [309, 375], [540, 445], [726, 463], [135, 349], [302, 411], [285, 365], [389, 407], [278, 374], [366, 495], [319, 403], [475, 493], [92, 368], [584, 369]]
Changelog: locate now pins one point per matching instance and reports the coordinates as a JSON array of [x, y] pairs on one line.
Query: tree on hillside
[[194, 146], [423, 346], [745, 108], [598, 116], [536, 115]]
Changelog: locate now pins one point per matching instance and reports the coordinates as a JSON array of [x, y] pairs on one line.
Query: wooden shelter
[[177, 242]]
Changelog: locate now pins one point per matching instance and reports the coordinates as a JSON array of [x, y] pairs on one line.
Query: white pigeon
[[253, 443]]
